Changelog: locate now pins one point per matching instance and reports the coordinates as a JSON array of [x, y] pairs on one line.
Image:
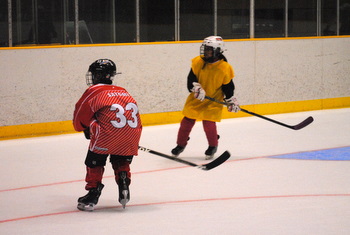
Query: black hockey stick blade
[[299, 126], [304, 123], [218, 161]]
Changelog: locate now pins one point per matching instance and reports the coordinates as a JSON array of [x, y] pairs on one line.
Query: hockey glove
[[232, 105], [87, 133], [199, 92]]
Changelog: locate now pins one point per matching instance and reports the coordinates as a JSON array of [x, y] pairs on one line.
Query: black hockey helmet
[[101, 71]]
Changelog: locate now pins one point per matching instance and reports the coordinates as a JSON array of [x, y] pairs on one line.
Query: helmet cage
[[214, 44], [204, 50]]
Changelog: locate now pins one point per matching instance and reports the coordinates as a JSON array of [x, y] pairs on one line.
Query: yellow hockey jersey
[[211, 77]]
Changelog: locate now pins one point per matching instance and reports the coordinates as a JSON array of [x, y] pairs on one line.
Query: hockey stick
[[218, 161], [299, 126]]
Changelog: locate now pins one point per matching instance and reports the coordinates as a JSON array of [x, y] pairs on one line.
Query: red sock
[[184, 131], [121, 165], [93, 176], [211, 132]]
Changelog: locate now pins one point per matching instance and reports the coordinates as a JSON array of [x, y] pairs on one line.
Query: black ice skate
[[123, 185], [209, 153], [177, 150], [88, 202]]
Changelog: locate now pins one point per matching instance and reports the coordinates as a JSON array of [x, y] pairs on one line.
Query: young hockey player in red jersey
[[210, 75], [109, 117]]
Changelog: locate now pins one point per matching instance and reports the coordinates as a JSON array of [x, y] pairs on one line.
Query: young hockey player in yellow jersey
[[210, 75]]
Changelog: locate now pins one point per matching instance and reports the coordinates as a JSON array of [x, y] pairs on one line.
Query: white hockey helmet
[[216, 44]]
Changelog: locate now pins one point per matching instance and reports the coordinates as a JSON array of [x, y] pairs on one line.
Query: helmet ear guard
[[101, 71]]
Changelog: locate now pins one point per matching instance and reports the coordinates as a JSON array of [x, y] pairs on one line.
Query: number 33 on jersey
[[113, 117]]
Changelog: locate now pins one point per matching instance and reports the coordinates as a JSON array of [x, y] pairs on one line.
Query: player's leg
[[211, 133], [94, 173], [121, 167], [185, 129]]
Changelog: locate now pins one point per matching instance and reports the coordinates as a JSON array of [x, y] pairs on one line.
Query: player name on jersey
[[111, 94]]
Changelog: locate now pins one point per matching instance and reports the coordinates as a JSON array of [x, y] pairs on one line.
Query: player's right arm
[[191, 78], [83, 114], [194, 86]]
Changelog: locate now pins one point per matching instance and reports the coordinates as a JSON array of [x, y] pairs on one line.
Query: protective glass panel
[[233, 18], [302, 18], [196, 20], [269, 18], [23, 22], [3, 24], [37, 22], [344, 18], [96, 21], [329, 18], [125, 21], [157, 20]]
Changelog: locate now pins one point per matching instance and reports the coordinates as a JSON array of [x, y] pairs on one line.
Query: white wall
[[43, 84]]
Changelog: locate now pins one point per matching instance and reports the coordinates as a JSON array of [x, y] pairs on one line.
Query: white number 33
[[120, 114]]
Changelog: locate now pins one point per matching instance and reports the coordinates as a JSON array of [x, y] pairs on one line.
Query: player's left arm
[[228, 89]]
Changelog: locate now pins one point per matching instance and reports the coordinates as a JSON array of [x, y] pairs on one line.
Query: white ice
[[41, 179]]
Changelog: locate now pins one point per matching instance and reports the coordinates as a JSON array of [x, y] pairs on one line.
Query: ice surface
[[251, 193]]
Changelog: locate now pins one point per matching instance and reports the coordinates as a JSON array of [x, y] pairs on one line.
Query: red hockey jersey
[[113, 117]]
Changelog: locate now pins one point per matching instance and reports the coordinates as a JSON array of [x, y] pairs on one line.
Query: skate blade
[[86, 207], [125, 199], [208, 157]]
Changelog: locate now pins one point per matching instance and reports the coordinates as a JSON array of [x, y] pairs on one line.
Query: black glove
[[87, 133]]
